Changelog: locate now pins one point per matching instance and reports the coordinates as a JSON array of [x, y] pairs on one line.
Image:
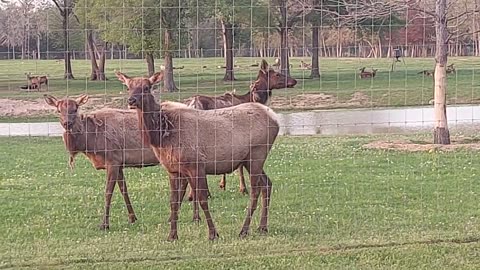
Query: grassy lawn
[[339, 78], [335, 205]]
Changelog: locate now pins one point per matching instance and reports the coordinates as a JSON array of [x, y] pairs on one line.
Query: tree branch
[[58, 6]]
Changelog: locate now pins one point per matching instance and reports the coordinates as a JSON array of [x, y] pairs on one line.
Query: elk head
[[274, 79], [139, 90], [67, 109]]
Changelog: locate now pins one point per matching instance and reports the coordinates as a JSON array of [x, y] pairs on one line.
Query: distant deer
[[451, 69], [305, 65], [260, 91], [367, 74], [111, 140], [426, 73], [35, 82], [192, 144]]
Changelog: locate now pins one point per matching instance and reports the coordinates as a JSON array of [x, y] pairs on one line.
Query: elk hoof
[[213, 235], [262, 230], [243, 233], [172, 237], [244, 191], [190, 197], [104, 227], [222, 186], [132, 219]]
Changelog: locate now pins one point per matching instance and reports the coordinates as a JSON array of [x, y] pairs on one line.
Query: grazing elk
[[260, 91], [367, 74], [111, 140], [192, 144], [35, 82]]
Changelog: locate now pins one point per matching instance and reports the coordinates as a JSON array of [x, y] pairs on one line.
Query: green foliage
[[139, 24]]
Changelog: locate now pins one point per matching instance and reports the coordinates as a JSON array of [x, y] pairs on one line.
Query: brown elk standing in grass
[[192, 144], [367, 74], [111, 140], [260, 91], [35, 82]]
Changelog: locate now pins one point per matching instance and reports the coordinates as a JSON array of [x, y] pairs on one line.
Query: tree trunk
[[441, 134], [227, 34], [315, 73], [150, 63], [38, 47], [284, 61], [66, 46], [93, 58], [102, 53], [168, 81]]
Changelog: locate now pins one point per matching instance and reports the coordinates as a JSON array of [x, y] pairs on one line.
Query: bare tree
[[455, 13]]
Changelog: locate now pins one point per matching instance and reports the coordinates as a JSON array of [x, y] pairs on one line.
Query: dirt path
[[38, 107], [424, 146]]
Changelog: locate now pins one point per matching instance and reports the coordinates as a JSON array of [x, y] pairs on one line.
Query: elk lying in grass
[[260, 91], [426, 73], [111, 140], [35, 82], [367, 74], [451, 69], [304, 65], [192, 143]]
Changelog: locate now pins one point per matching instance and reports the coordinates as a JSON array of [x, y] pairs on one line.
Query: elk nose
[[292, 83], [131, 101]]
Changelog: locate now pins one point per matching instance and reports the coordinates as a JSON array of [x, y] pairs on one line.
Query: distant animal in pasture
[[305, 65], [111, 140], [35, 82], [451, 69], [367, 74], [426, 73], [192, 144], [260, 91]]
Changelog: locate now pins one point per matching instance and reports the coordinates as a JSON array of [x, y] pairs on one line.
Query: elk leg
[[254, 185], [174, 205], [223, 182], [183, 190], [198, 182], [266, 193], [243, 188], [122, 184], [109, 186]]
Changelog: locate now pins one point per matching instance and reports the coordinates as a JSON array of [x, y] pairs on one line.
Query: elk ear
[[156, 78], [122, 77], [50, 100], [81, 100], [264, 65]]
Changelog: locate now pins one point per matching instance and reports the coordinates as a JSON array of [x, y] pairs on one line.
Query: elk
[[277, 63], [35, 82], [426, 73], [260, 91], [111, 140], [305, 65], [367, 74], [451, 69], [192, 143]]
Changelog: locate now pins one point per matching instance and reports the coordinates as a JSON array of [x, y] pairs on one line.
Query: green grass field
[[339, 78], [335, 205]]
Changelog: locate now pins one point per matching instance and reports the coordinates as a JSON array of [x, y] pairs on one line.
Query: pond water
[[325, 122]]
